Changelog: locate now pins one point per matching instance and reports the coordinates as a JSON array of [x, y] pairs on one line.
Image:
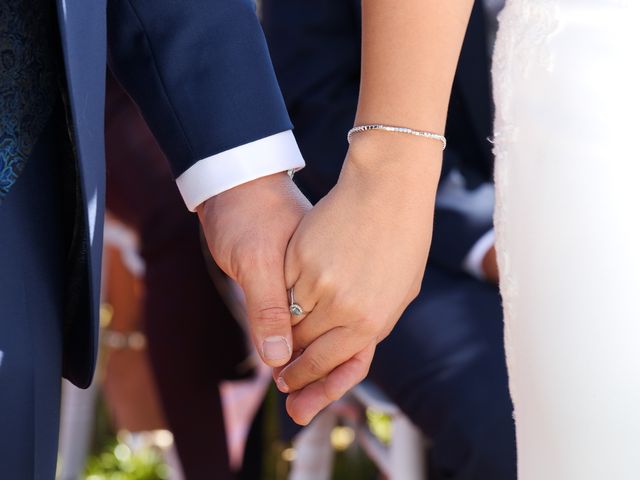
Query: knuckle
[[333, 392], [272, 315], [251, 257], [335, 388], [315, 365], [297, 251], [385, 333], [415, 291], [364, 372], [304, 247], [354, 305], [361, 370], [271, 258], [367, 324], [325, 281]]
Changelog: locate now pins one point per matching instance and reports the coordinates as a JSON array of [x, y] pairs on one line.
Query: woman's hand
[[358, 258], [355, 262]]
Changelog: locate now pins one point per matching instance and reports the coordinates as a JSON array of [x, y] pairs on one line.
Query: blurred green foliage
[[118, 462], [112, 460]]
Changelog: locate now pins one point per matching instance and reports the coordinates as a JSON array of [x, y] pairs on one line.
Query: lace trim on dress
[[526, 28]]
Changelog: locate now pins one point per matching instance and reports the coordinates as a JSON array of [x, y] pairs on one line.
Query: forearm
[[409, 54], [381, 208], [410, 51]]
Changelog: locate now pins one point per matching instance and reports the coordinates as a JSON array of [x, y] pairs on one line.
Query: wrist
[[273, 186], [395, 166], [379, 151]]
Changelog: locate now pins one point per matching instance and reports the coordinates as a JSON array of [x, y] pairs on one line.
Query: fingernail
[[282, 385], [276, 348]]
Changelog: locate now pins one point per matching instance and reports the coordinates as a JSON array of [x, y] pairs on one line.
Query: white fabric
[[566, 80], [213, 175], [475, 257]]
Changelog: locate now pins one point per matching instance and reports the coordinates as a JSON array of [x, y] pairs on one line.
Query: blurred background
[[118, 429]]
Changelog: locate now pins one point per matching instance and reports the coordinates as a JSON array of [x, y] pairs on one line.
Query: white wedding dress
[[567, 143]]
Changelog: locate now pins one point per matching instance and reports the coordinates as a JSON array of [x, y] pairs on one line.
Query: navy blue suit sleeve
[[315, 47], [199, 71], [464, 213], [454, 235]]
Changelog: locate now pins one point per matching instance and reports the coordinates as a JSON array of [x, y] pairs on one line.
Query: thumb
[[268, 312]]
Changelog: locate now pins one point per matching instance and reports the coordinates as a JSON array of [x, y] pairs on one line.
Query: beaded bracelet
[[388, 128]]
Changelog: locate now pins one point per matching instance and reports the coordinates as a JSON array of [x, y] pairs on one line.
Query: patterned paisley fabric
[[27, 81]]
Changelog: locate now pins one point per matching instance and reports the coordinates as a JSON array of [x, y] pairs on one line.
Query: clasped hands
[[355, 261]]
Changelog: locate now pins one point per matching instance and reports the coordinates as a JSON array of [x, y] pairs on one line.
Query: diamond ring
[[295, 308]]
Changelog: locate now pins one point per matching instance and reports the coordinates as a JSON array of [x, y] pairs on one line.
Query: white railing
[[403, 459]]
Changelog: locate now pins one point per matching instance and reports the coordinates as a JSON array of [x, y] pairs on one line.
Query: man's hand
[[248, 229], [356, 262]]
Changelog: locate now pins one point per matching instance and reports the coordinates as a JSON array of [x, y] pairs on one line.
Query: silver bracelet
[[388, 128]]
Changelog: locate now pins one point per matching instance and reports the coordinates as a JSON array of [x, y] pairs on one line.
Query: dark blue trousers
[[444, 366], [32, 258]]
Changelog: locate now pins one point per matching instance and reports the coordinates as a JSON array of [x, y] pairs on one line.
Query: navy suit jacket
[[315, 47], [200, 72]]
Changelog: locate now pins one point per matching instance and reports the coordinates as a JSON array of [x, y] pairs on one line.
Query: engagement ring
[[295, 309]]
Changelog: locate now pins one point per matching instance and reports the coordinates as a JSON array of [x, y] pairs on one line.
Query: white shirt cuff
[[473, 260], [213, 175]]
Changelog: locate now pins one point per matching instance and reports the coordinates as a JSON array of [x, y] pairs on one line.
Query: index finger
[[322, 356], [305, 404]]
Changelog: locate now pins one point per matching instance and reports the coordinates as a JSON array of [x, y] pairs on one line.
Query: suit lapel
[[82, 25], [83, 31]]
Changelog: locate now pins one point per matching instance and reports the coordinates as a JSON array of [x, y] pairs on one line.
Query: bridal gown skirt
[[567, 143]]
